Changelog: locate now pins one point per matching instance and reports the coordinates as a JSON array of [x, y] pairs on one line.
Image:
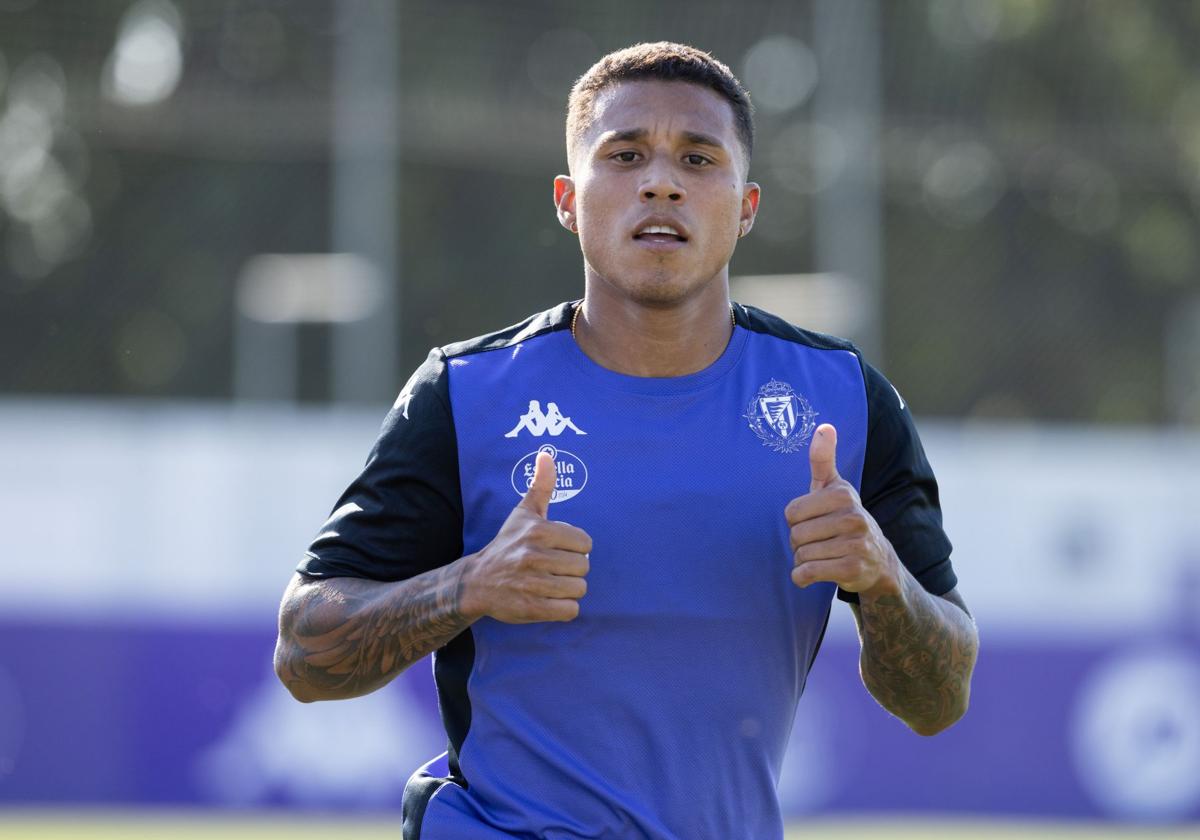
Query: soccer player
[[624, 596]]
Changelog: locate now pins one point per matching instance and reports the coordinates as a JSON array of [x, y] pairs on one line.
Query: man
[[623, 617]]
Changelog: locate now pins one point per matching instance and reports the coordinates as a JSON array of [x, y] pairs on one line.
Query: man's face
[[663, 153]]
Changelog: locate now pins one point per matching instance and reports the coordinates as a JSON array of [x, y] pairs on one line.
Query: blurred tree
[[1040, 160]]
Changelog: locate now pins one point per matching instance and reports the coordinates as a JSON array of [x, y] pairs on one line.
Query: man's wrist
[[889, 584], [470, 604]]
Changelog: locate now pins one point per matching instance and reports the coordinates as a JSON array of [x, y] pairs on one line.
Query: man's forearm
[[918, 652], [345, 637]]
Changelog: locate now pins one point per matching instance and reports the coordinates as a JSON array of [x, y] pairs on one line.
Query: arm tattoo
[[918, 652], [345, 637]]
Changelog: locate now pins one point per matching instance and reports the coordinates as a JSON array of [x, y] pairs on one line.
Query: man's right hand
[[534, 569]]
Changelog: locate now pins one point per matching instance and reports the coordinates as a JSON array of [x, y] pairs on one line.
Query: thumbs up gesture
[[832, 536], [533, 570]]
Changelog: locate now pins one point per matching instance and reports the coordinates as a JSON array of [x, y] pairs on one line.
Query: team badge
[[570, 473], [782, 418]]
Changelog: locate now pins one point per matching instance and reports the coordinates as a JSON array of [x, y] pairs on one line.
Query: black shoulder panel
[[403, 514], [898, 486], [758, 320], [557, 318]]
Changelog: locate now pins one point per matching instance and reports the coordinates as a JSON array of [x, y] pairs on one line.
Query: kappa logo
[[570, 473], [538, 423], [402, 402], [781, 417]]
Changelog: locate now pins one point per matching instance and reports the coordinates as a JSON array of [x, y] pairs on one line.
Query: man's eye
[[626, 157], [698, 160]]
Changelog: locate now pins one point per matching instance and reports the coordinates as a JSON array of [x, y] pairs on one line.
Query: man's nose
[[660, 183]]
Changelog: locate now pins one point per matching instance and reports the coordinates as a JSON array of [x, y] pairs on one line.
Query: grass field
[[28, 825]]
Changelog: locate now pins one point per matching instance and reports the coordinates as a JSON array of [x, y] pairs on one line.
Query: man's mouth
[[659, 233]]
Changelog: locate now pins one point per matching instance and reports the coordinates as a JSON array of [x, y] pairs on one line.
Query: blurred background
[[212, 212]]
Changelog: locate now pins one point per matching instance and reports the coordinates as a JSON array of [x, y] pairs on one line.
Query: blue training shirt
[[662, 711]]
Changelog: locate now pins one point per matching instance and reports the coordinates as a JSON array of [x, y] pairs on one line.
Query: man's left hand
[[833, 538]]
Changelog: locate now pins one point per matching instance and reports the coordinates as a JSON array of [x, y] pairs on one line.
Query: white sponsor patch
[[570, 473]]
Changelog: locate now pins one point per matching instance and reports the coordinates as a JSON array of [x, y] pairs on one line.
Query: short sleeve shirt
[[664, 708]]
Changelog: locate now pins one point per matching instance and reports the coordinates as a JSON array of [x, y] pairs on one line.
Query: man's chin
[[661, 289], [662, 285]]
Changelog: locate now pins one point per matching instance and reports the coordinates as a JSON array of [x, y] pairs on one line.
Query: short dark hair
[[661, 61]]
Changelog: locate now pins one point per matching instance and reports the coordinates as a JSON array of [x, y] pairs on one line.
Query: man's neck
[[639, 340]]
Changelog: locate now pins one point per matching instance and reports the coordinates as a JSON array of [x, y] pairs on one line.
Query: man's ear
[[750, 195], [564, 202]]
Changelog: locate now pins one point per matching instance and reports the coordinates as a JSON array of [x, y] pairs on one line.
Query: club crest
[[782, 418]]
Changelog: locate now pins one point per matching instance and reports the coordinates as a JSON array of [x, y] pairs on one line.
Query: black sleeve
[[899, 490], [403, 514]]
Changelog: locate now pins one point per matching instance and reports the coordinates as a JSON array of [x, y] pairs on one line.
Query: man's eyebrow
[[627, 135], [623, 136], [698, 139]]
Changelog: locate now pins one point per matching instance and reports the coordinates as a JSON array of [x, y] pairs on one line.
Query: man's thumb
[[822, 457], [537, 497]]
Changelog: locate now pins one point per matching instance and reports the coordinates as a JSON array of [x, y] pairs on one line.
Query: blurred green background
[[1039, 167]]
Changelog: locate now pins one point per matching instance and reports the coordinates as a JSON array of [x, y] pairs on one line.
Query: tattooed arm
[[918, 652], [344, 637]]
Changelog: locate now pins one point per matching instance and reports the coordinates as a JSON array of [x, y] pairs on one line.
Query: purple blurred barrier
[[151, 715]]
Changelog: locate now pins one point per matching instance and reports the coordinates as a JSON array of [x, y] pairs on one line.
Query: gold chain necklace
[[579, 308]]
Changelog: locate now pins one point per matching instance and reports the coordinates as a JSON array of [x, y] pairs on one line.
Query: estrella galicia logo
[[570, 473], [782, 418]]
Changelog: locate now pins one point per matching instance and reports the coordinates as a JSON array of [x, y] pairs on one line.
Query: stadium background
[[212, 212]]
